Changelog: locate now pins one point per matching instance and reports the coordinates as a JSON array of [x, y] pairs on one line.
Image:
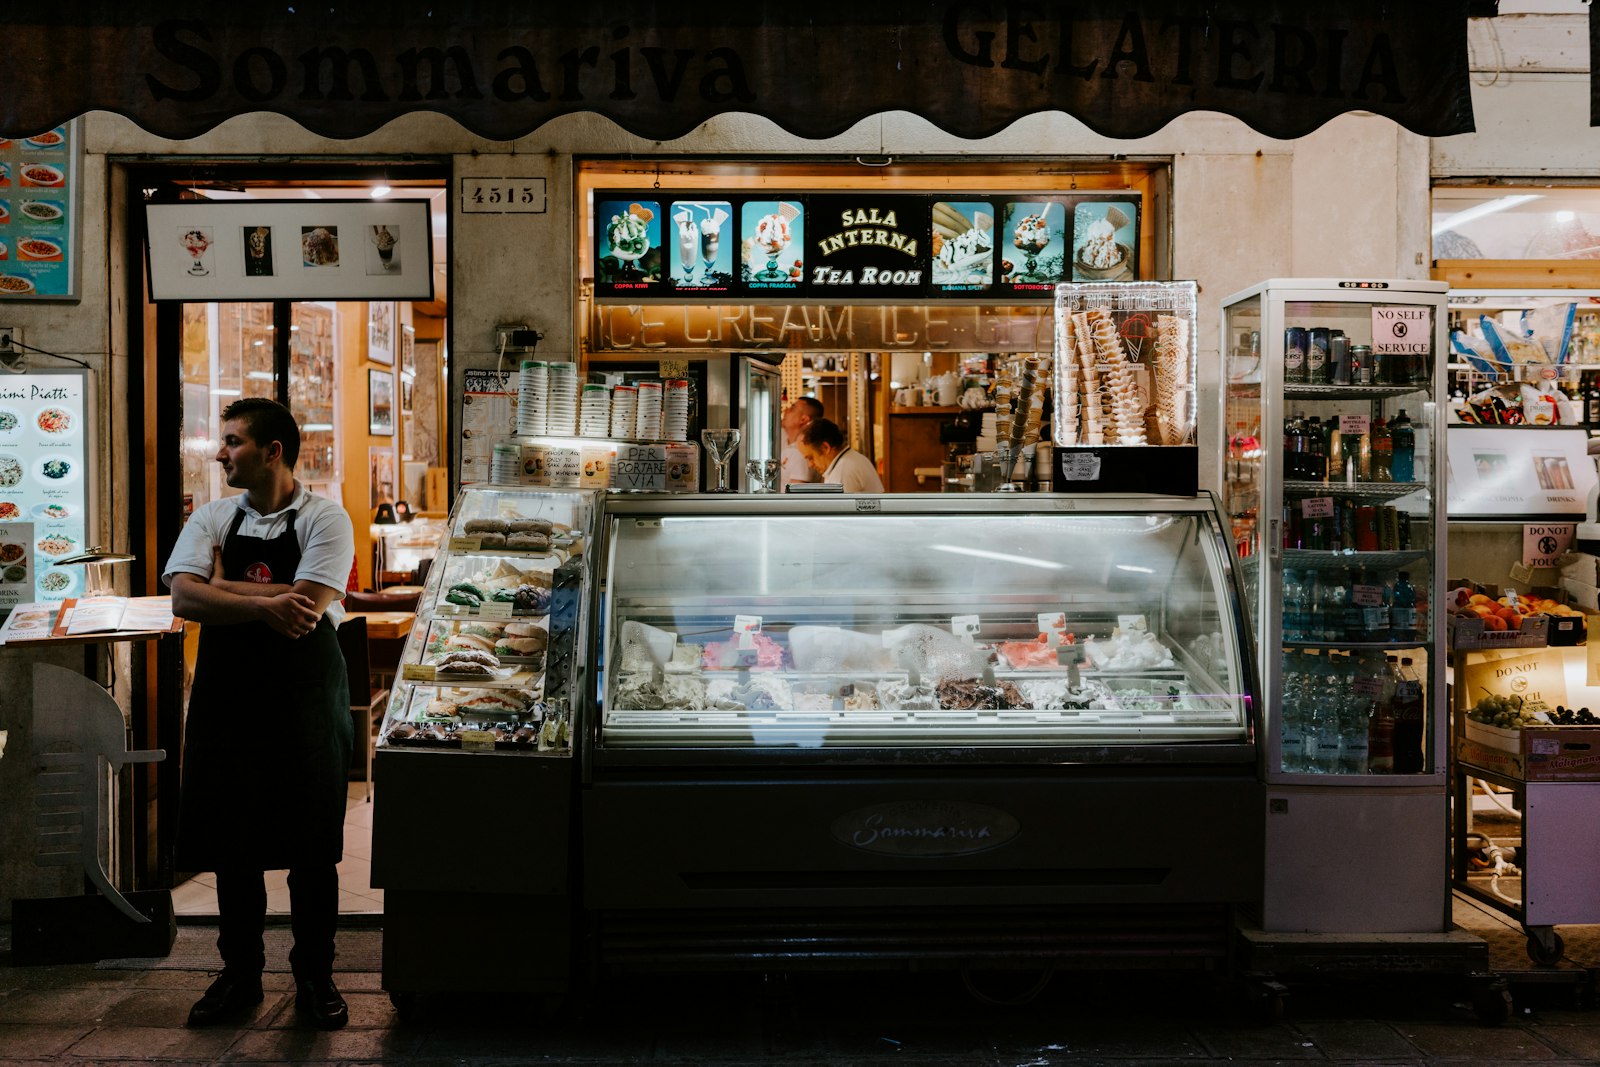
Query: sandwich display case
[[917, 727], [1332, 471], [473, 769]]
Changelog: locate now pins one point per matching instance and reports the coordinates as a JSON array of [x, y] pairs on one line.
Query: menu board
[[835, 245], [38, 179], [44, 482]]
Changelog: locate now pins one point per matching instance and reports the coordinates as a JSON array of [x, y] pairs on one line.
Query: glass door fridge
[[1332, 467]]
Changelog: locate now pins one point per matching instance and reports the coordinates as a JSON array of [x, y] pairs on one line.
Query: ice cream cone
[[1117, 219]]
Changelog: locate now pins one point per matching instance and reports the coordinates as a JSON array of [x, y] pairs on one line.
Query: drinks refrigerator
[[1350, 652]]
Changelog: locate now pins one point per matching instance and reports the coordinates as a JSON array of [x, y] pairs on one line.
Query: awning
[[503, 68]]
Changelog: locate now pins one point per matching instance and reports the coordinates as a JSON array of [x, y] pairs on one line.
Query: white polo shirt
[[855, 472], [327, 540]]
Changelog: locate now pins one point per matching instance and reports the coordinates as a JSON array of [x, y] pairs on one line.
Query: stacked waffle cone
[[1174, 424], [1019, 404]]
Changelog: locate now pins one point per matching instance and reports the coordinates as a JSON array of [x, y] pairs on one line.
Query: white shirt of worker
[[795, 467], [327, 544], [853, 471]]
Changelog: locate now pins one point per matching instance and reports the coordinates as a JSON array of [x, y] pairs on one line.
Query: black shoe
[[228, 999], [319, 1001]]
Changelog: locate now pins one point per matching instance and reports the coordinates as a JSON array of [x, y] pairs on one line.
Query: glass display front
[[1329, 487], [755, 625], [496, 659]]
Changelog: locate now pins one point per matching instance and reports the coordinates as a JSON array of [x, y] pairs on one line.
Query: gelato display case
[[920, 727], [481, 718]]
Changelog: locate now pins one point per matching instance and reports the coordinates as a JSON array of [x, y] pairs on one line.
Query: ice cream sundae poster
[[772, 243], [204, 250], [701, 259], [1034, 245], [1105, 240], [629, 244], [963, 245]]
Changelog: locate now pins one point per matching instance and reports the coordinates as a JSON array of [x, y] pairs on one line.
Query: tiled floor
[[198, 896]]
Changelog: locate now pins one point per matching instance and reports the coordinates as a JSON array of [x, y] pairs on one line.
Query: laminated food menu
[[44, 483], [36, 194]]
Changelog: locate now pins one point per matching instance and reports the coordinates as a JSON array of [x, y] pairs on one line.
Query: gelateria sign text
[[660, 328], [502, 68]]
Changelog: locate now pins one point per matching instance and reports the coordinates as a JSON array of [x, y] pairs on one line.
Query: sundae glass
[[710, 239], [384, 240], [763, 474], [195, 242], [1031, 237], [772, 237], [629, 237], [689, 239], [720, 446]]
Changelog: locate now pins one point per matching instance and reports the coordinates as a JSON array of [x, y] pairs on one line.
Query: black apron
[[268, 738]]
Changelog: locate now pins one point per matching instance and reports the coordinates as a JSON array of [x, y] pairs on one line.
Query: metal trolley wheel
[[1545, 946]]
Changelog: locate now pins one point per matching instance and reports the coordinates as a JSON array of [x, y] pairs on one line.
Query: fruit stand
[[1525, 723]]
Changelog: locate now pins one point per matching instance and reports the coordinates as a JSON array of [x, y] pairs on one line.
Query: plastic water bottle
[[1354, 742], [1293, 621], [1333, 597], [1403, 448], [1410, 717], [1307, 610], [1403, 611], [1291, 734]]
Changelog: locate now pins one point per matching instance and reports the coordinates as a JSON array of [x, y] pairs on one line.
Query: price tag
[[497, 609], [476, 740], [417, 672], [1129, 623], [1067, 655], [747, 626], [466, 544], [1052, 622], [1369, 687], [1355, 424], [965, 625], [1368, 596], [1317, 507], [1080, 466]]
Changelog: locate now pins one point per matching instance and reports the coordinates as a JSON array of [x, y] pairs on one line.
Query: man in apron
[[268, 736]]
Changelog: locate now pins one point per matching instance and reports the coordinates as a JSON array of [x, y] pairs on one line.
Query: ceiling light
[[378, 192]]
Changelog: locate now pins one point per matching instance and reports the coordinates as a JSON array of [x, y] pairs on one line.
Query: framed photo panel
[[290, 250], [380, 402]]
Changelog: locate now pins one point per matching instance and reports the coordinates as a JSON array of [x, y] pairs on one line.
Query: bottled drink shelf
[[1298, 391], [1320, 559], [1357, 490], [1381, 646]]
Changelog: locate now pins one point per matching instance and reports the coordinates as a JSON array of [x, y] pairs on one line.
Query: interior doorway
[[366, 380]]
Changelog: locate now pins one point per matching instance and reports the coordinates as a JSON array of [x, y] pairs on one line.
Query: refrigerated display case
[[1336, 520], [947, 729], [473, 768]]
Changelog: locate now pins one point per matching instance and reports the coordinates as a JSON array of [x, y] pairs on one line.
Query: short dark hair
[[824, 433], [811, 404], [267, 421]]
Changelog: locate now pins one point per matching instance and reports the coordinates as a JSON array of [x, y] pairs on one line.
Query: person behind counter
[[800, 413], [268, 735], [823, 446]]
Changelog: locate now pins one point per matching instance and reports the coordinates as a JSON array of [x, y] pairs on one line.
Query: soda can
[[1366, 529], [1339, 359], [1361, 364], [1318, 350], [1294, 354]]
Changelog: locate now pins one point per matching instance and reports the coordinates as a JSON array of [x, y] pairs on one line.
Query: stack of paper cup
[[675, 410], [624, 404], [594, 417], [647, 426], [533, 386], [561, 409], [505, 464]]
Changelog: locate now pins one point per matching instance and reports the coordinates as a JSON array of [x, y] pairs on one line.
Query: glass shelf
[[1358, 490], [1351, 392]]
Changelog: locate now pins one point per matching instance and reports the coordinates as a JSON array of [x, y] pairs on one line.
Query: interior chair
[[367, 701], [383, 653]]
